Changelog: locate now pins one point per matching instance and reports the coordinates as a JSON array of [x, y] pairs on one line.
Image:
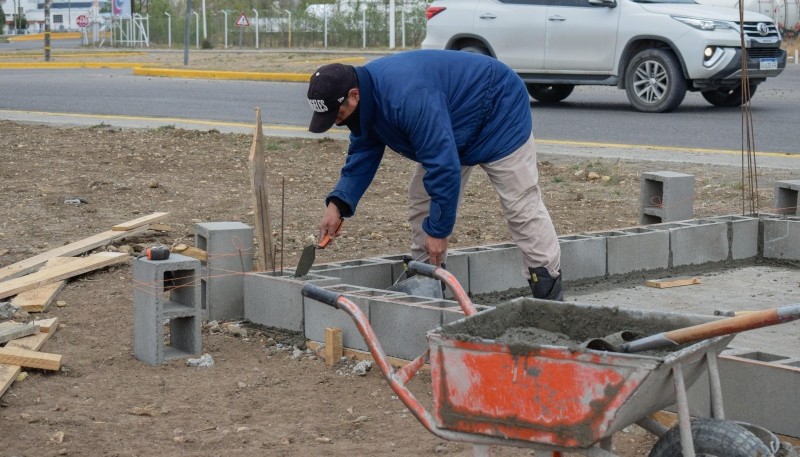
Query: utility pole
[[186, 24], [47, 30]]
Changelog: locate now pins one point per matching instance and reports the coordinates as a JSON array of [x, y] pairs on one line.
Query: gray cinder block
[[166, 291], [666, 196], [318, 315], [401, 328], [781, 238], [699, 242], [495, 268], [754, 390], [742, 235], [373, 273], [636, 249], [582, 257], [787, 197], [274, 299], [230, 254]]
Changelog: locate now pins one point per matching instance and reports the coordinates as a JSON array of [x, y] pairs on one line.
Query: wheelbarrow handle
[[320, 294], [432, 271]]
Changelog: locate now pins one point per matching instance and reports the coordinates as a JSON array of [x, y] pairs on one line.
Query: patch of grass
[[558, 179], [166, 127], [101, 125]]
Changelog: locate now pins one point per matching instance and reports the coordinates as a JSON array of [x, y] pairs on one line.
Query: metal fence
[[366, 27]]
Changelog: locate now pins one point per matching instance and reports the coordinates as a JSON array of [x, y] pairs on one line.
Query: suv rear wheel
[[654, 81], [728, 97], [549, 93], [475, 49]]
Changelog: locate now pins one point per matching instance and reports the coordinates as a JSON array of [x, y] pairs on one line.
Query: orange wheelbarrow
[[553, 398]]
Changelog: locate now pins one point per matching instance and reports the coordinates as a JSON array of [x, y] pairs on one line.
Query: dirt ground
[[257, 399]]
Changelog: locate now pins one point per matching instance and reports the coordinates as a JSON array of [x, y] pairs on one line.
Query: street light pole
[[256, 13], [205, 30], [290, 27], [196, 29], [225, 13], [169, 29]]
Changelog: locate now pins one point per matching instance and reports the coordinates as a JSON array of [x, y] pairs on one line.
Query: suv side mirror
[[607, 3]]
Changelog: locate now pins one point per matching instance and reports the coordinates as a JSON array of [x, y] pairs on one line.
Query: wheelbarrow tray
[[559, 395]]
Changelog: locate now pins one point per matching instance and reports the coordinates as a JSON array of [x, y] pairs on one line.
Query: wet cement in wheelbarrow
[[738, 288], [526, 324]]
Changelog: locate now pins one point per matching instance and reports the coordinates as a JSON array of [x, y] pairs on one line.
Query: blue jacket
[[443, 109]]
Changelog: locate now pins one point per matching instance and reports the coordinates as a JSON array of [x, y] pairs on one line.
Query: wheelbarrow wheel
[[712, 437]]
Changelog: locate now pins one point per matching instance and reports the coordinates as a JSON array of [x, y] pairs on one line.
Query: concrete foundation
[[596, 266]]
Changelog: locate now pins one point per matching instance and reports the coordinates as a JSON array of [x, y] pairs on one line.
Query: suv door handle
[[487, 16], [557, 18]]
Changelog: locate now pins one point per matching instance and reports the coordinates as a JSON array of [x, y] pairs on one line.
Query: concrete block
[[318, 315], [230, 254], [781, 238], [373, 273], [699, 242], [582, 257], [454, 313], [757, 387], [742, 235], [787, 197], [166, 291], [274, 299], [401, 328], [457, 264], [666, 196], [636, 249], [495, 268]]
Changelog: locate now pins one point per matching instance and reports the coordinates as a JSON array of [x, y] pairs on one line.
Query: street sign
[[242, 21], [82, 21]]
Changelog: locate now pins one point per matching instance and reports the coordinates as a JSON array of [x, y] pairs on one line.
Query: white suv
[[654, 49]]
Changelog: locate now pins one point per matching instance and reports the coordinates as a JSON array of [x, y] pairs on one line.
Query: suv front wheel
[[654, 81], [549, 93]]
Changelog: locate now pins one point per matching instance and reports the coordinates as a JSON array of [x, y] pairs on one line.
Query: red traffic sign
[[82, 21], [242, 21]]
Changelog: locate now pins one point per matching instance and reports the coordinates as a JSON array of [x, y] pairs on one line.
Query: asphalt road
[[593, 115]]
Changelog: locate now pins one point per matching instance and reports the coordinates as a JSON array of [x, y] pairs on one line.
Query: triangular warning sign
[[242, 21]]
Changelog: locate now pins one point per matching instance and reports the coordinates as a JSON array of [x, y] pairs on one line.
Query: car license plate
[[768, 64]]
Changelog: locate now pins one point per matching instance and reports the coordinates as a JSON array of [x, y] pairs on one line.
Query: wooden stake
[[333, 345], [264, 255]]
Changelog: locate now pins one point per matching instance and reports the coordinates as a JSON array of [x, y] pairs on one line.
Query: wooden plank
[[12, 330], [79, 247], [39, 299], [8, 373], [40, 278], [34, 342], [673, 282], [263, 227], [333, 345], [47, 325], [190, 251], [138, 222], [30, 359]]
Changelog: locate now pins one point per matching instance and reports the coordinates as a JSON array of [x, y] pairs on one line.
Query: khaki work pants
[[515, 178]]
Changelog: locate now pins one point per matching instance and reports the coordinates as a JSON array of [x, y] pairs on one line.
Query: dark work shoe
[[544, 286]]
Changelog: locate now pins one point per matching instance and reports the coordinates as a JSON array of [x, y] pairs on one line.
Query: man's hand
[[436, 247], [331, 222]]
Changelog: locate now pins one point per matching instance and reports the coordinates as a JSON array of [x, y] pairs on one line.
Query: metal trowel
[[310, 253]]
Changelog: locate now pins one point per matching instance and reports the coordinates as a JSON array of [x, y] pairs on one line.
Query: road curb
[[61, 65], [213, 74]]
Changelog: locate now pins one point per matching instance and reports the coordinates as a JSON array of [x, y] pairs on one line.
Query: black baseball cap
[[326, 92]]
